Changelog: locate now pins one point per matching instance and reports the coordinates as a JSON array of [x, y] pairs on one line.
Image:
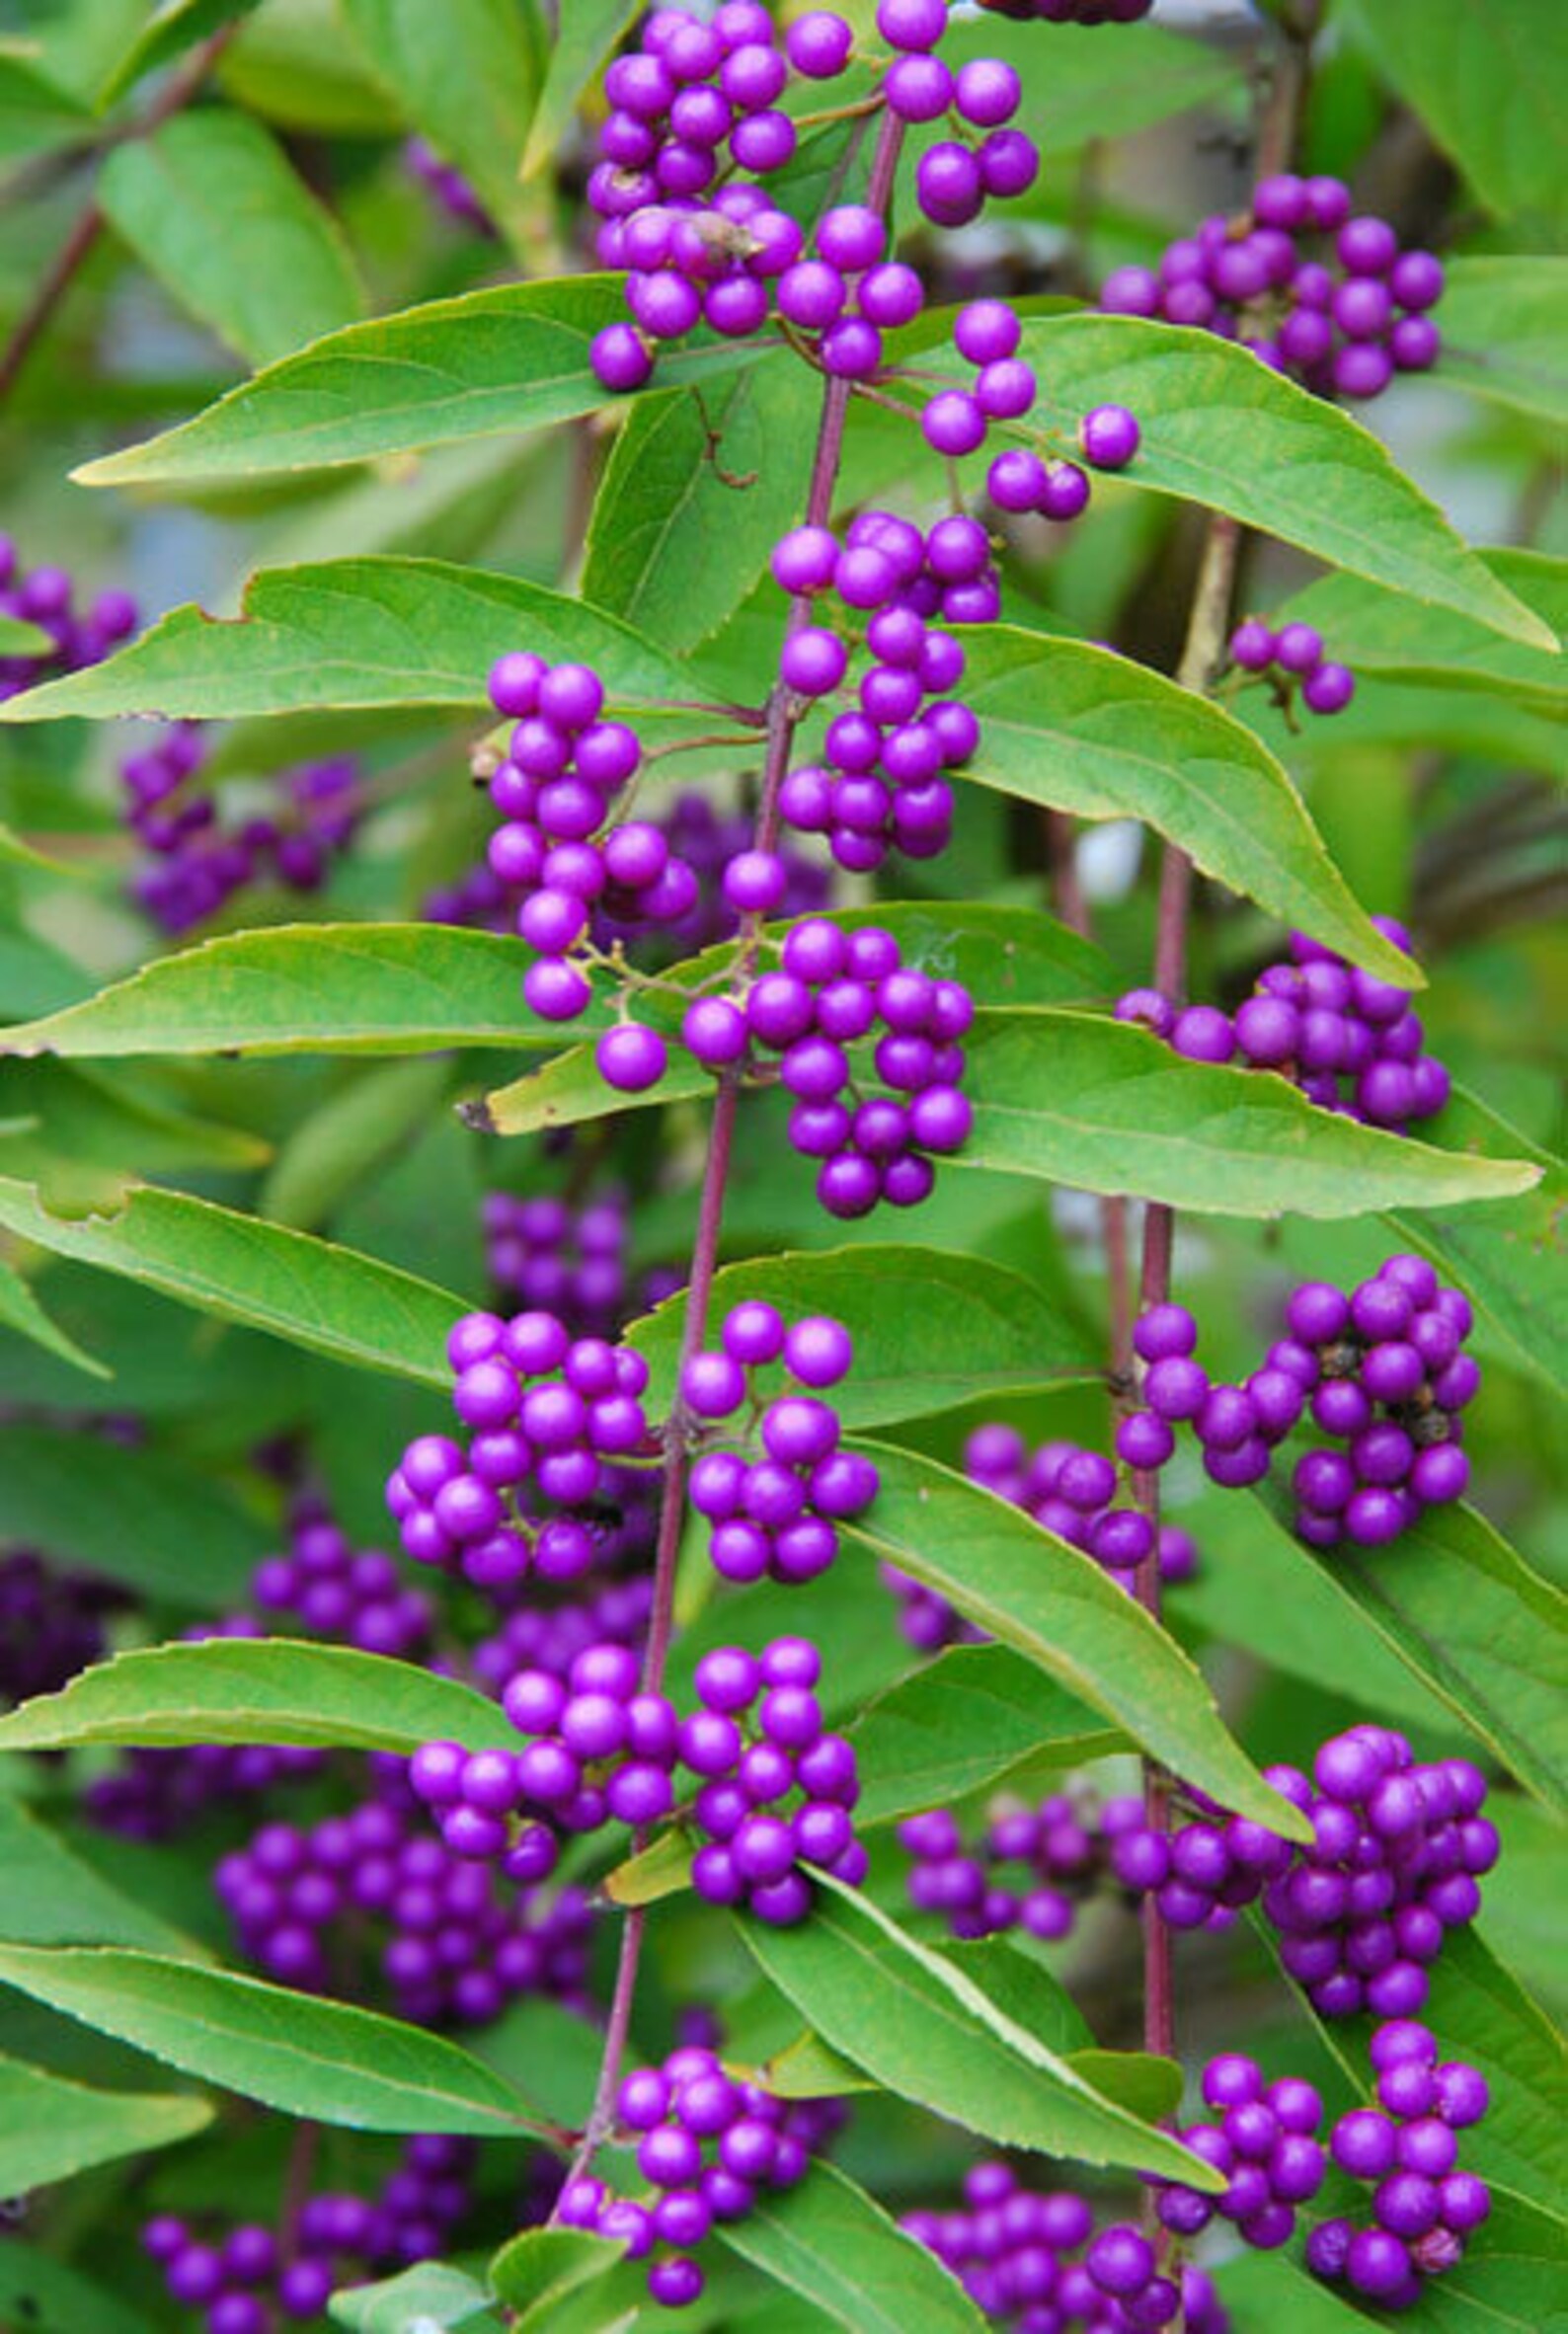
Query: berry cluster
[[198, 863], [456, 1946], [548, 1415], [1350, 1041], [1397, 1852], [1265, 2146], [832, 990], [564, 767], [250, 2279], [1381, 1369], [1030, 1869], [1423, 2208], [43, 597], [562, 1258], [1293, 656], [700, 101], [1391, 1377], [698, 837], [1034, 2262], [757, 1740], [707, 2145], [448, 184], [880, 784], [957, 421], [327, 1587], [1344, 323], [775, 1514], [51, 1623]]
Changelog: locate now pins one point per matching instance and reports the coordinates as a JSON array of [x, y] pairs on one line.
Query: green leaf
[[1385, 633], [586, 34], [1015, 955], [46, 2296], [271, 2043], [309, 1292], [19, 638], [830, 2241], [1107, 1107], [654, 1873], [697, 491], [1484, 1633], [173, 27], [468, 75], [36, 115], [21, 1310], [344, 1146], [1079, 87], [997, 1332], [295, 64], [307, 988], [141, 1516], [963, 1721], [1222, 429], [50, 2129], [1511, 2280], [212, 205], [486, 364], [541, 2266], [350, 633], [1504, 335], [425, 2300], [1511, 1259], [1093, 732], [263, 1690], [1492, 88], [930, 2031], [51, 1897], [1054, 1605], [94, 1133]]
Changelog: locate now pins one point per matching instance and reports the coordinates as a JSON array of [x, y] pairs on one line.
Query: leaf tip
[[478, 1116]]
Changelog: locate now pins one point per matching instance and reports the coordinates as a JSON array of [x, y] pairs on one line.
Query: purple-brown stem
[[784, 712]]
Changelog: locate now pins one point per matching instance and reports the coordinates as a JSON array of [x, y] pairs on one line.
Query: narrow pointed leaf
[[1387, 634], [1487, 1635], [303, 1289], [1109, 1107], [171, 28], [483, 365], [143, 1517], [50, 2129], [264, 1690], [930, 2031], [351, 633], [307, 988], [828, 2241], [1222, 429], [1505, 333], [468, 75], [998, 1331], [1054, 1605], [271, 2043], [212, 206], [1093, 732], [965, 1721]]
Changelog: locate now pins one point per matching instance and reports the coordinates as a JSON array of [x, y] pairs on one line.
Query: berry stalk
[[783, 717]]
